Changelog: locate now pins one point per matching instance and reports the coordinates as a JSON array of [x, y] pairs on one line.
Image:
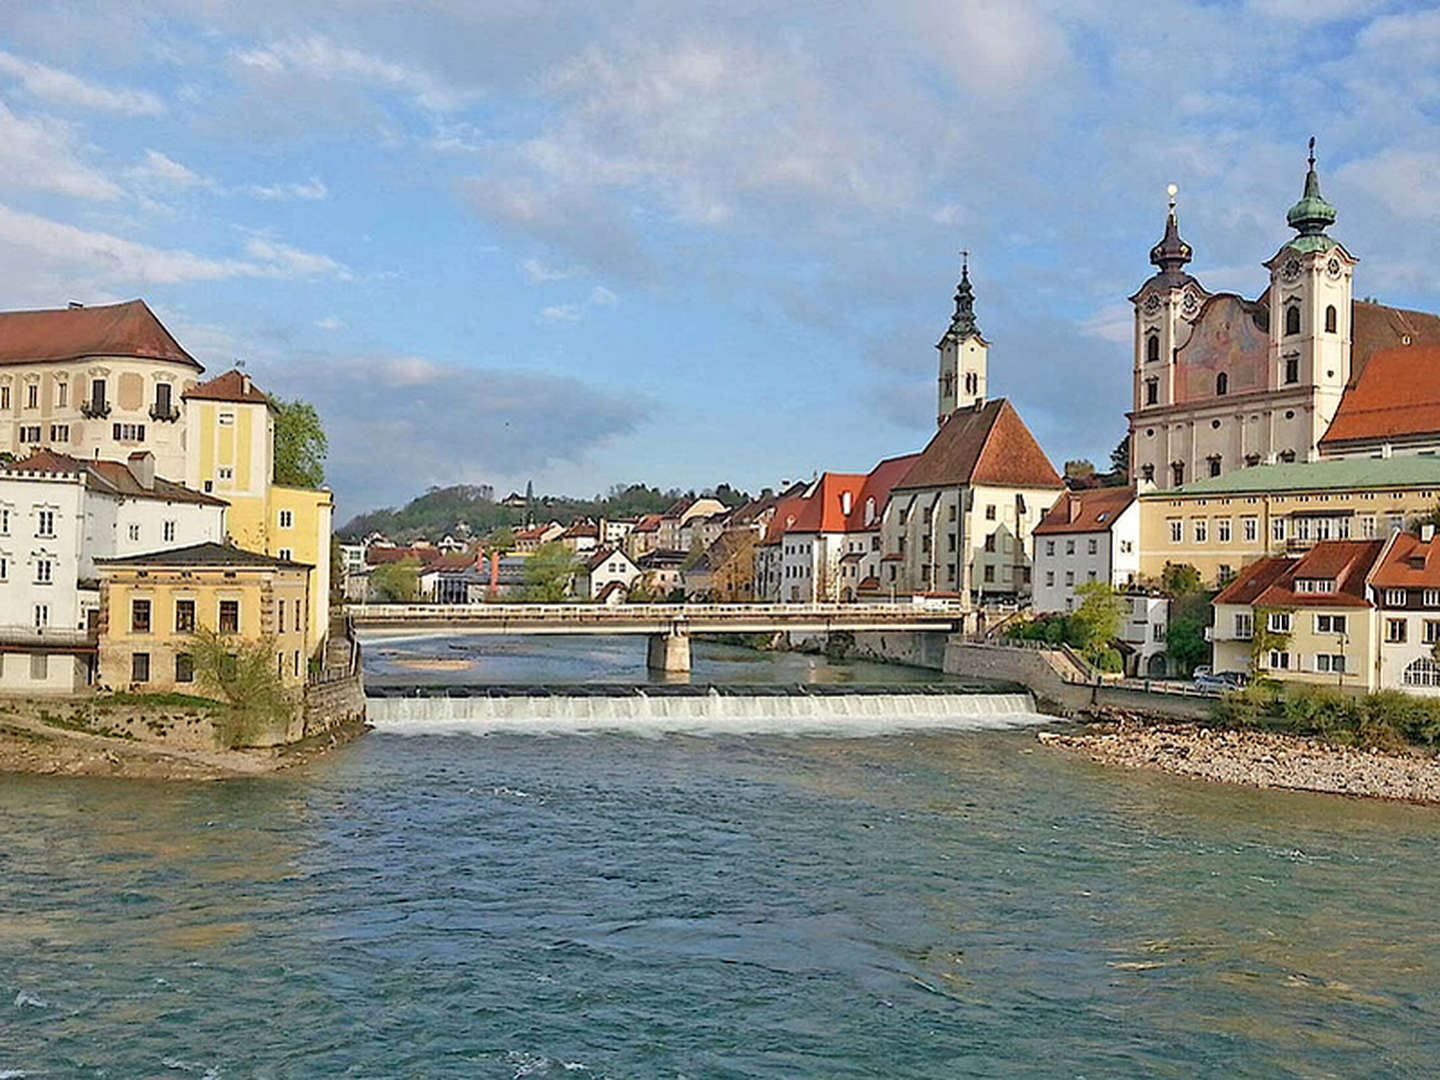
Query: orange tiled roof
[[234, 385], [1345, 562], [128, 329], [988, 444], [1410, 563], [1397, 395], [1090, 510], [878, 485]]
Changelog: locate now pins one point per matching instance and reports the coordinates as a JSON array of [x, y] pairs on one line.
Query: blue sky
[[686, 243]]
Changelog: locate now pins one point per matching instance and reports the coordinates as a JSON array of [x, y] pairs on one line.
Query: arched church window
[[1292, 319], [1214, 462], [1152, 391], [1177, 473], [1152, 348], [1222, 384], [1330, 319]]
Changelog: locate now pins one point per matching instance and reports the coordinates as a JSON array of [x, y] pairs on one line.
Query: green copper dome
[[1312, 215]]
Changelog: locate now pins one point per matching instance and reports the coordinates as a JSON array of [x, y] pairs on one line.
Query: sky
[[585, 244]]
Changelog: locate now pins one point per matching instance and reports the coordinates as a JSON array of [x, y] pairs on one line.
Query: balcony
[[95, 410], [167, 415]]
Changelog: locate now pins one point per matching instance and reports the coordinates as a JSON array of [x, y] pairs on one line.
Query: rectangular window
[[32, 396], [1250, 529], [1279, 661], [44, 571], [287, 519], [1432, 631], [297, 655], [1202, 530], [45, 523], [184, 616], [226, 419], [1050, 577], [42, 616], [1069, 547], [4, 568], [225, 472], [1279, 622], [1277, 529], [1432, 597], [4, 397], [140, 616], [1330, 624], [133, 531], [97, 395], [1244, 626], [1222, 531], [989, 511], [167, 531], [280, 665], [990, 542], [282, 616], [229, 616], [162, 399], [287, 554], [62, 394], [1395, 523], [989, 574], [1177, 531], [128, 432], [1394, 597], [184, 667], [1069, 578], [1367, 526], [139, 667], [30, 434], [1094, 545], [1331, 662], [1395, 631]]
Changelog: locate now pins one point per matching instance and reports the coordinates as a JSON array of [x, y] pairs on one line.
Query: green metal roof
[[1338, 475]]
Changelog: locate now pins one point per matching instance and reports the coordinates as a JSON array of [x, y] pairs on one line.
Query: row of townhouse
[[1361, 615]]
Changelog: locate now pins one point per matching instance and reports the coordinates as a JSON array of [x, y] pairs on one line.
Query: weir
[[702, 711]]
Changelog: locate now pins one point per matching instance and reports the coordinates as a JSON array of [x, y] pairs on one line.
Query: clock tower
[[963, 352]]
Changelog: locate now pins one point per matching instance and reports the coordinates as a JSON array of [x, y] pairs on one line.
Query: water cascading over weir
[[700, 710]]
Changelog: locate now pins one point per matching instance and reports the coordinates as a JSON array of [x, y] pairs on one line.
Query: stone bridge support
[[669, 653]]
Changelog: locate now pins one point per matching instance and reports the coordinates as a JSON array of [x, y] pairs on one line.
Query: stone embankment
[[1255, 758]]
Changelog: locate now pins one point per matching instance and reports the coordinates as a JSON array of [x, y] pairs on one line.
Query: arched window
[[1152, 348], [1422, 672], [1330, 319], [1177, 472], [1222, 384], [1292, 319], [1152, 391]]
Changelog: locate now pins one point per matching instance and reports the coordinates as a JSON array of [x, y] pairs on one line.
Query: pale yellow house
[[151, 605], [1220, 525], [231, 428]]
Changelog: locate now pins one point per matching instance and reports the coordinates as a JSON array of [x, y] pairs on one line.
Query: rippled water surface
[[965, 904]]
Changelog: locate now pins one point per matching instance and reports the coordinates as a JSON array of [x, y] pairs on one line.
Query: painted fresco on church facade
[[1225, 341]]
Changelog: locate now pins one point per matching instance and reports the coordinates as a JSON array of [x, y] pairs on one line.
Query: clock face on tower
[[1333, 267], [1152, 303], [1291, 270]]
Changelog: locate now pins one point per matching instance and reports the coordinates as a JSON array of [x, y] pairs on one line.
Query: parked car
[[1218, 682]]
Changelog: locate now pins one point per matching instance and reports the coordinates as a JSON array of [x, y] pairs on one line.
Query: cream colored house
[[1221, 525]]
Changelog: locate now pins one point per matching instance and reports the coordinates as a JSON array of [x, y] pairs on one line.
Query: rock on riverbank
[[1256, 758]]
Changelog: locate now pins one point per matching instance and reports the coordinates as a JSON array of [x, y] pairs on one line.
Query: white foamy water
[[710, 714]]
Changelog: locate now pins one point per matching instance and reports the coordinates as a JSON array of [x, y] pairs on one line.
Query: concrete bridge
[[667, 626]]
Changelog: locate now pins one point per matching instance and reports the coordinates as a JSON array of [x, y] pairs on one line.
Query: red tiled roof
[[128, 329], [1090, 510], [449, 562], [1410, 563], [1253, 580], [988, 444], [648, 523], [1375, 327], [380, 556], [234, 385], [1345, 562], [878, 485], [113, 477], [823, 506], [1397, 395]]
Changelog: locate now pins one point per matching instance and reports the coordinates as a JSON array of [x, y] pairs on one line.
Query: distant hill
[[443, 510]]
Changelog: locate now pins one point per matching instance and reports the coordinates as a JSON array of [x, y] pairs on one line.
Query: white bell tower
[[964, 354]]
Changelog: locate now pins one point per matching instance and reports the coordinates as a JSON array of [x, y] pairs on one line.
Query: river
[[940, 904]]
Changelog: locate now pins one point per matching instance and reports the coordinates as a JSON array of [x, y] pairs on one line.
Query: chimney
[[1073, 507], [1427, 532], [142, 467], [245, 383]]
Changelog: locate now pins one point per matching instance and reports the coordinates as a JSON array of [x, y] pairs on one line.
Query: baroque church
[[1303, 372]]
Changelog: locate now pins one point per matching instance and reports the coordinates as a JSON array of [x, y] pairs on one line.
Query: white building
[[58, 515], [605, 567], [1091, 535]]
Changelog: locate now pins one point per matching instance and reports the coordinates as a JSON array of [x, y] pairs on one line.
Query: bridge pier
[[669, 653]]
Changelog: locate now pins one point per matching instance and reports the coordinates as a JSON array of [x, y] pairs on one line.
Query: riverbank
[[1255, 758], [28, 745]]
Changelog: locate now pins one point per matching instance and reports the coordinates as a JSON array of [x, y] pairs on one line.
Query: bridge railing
[[937, 610]]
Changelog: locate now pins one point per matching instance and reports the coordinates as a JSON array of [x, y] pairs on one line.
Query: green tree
[[1120, 462], [1180, 579], [1430, 517], [501, 539], [300, 444], [548, 573], [1081, 471], [1099, 618], [396, 582], [241, 672]]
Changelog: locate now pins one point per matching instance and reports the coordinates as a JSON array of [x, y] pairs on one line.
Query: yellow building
[[1220, 525], [231, 454], [151, 604]]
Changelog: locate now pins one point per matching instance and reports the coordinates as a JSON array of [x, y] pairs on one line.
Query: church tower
[[963, 352], [1310, 311]]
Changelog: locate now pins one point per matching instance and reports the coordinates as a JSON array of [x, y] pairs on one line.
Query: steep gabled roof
[[1375, 328], [1411, 563], [112, 478], [983, 444], [823, 506], [878, 485], [1271, 582], [128, 329], [1396, 397], [1085, 511], [1254, 580]]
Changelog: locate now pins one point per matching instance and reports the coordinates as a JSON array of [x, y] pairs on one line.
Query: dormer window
[[1292, 319], [1330, 319], [845, 503], [1152, 348]]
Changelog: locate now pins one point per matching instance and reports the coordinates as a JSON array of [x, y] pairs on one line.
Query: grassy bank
[[1389, 720]]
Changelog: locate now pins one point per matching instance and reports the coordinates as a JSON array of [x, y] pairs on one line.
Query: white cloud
[[1114, 323], [600, 296], [317, 57], [562, 313], [62, 88], [311, 190], [1403, 179], [537, 272], [293, 261], [42, 154], [330, 322], [165, 169]]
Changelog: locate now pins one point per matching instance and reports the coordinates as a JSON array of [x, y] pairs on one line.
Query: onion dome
[[1172, 253], [962, 323], [1312, 215]]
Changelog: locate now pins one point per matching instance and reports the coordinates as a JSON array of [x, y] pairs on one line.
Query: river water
[[937, 904]]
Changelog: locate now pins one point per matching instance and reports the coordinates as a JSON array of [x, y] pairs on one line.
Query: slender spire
[[1172, 253], [1312, 215], [962, 324]]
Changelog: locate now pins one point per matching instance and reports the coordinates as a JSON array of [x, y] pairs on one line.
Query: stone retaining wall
[[331, 704]]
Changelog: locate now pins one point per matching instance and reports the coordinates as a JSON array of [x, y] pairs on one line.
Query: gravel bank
[[1259, 759]]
